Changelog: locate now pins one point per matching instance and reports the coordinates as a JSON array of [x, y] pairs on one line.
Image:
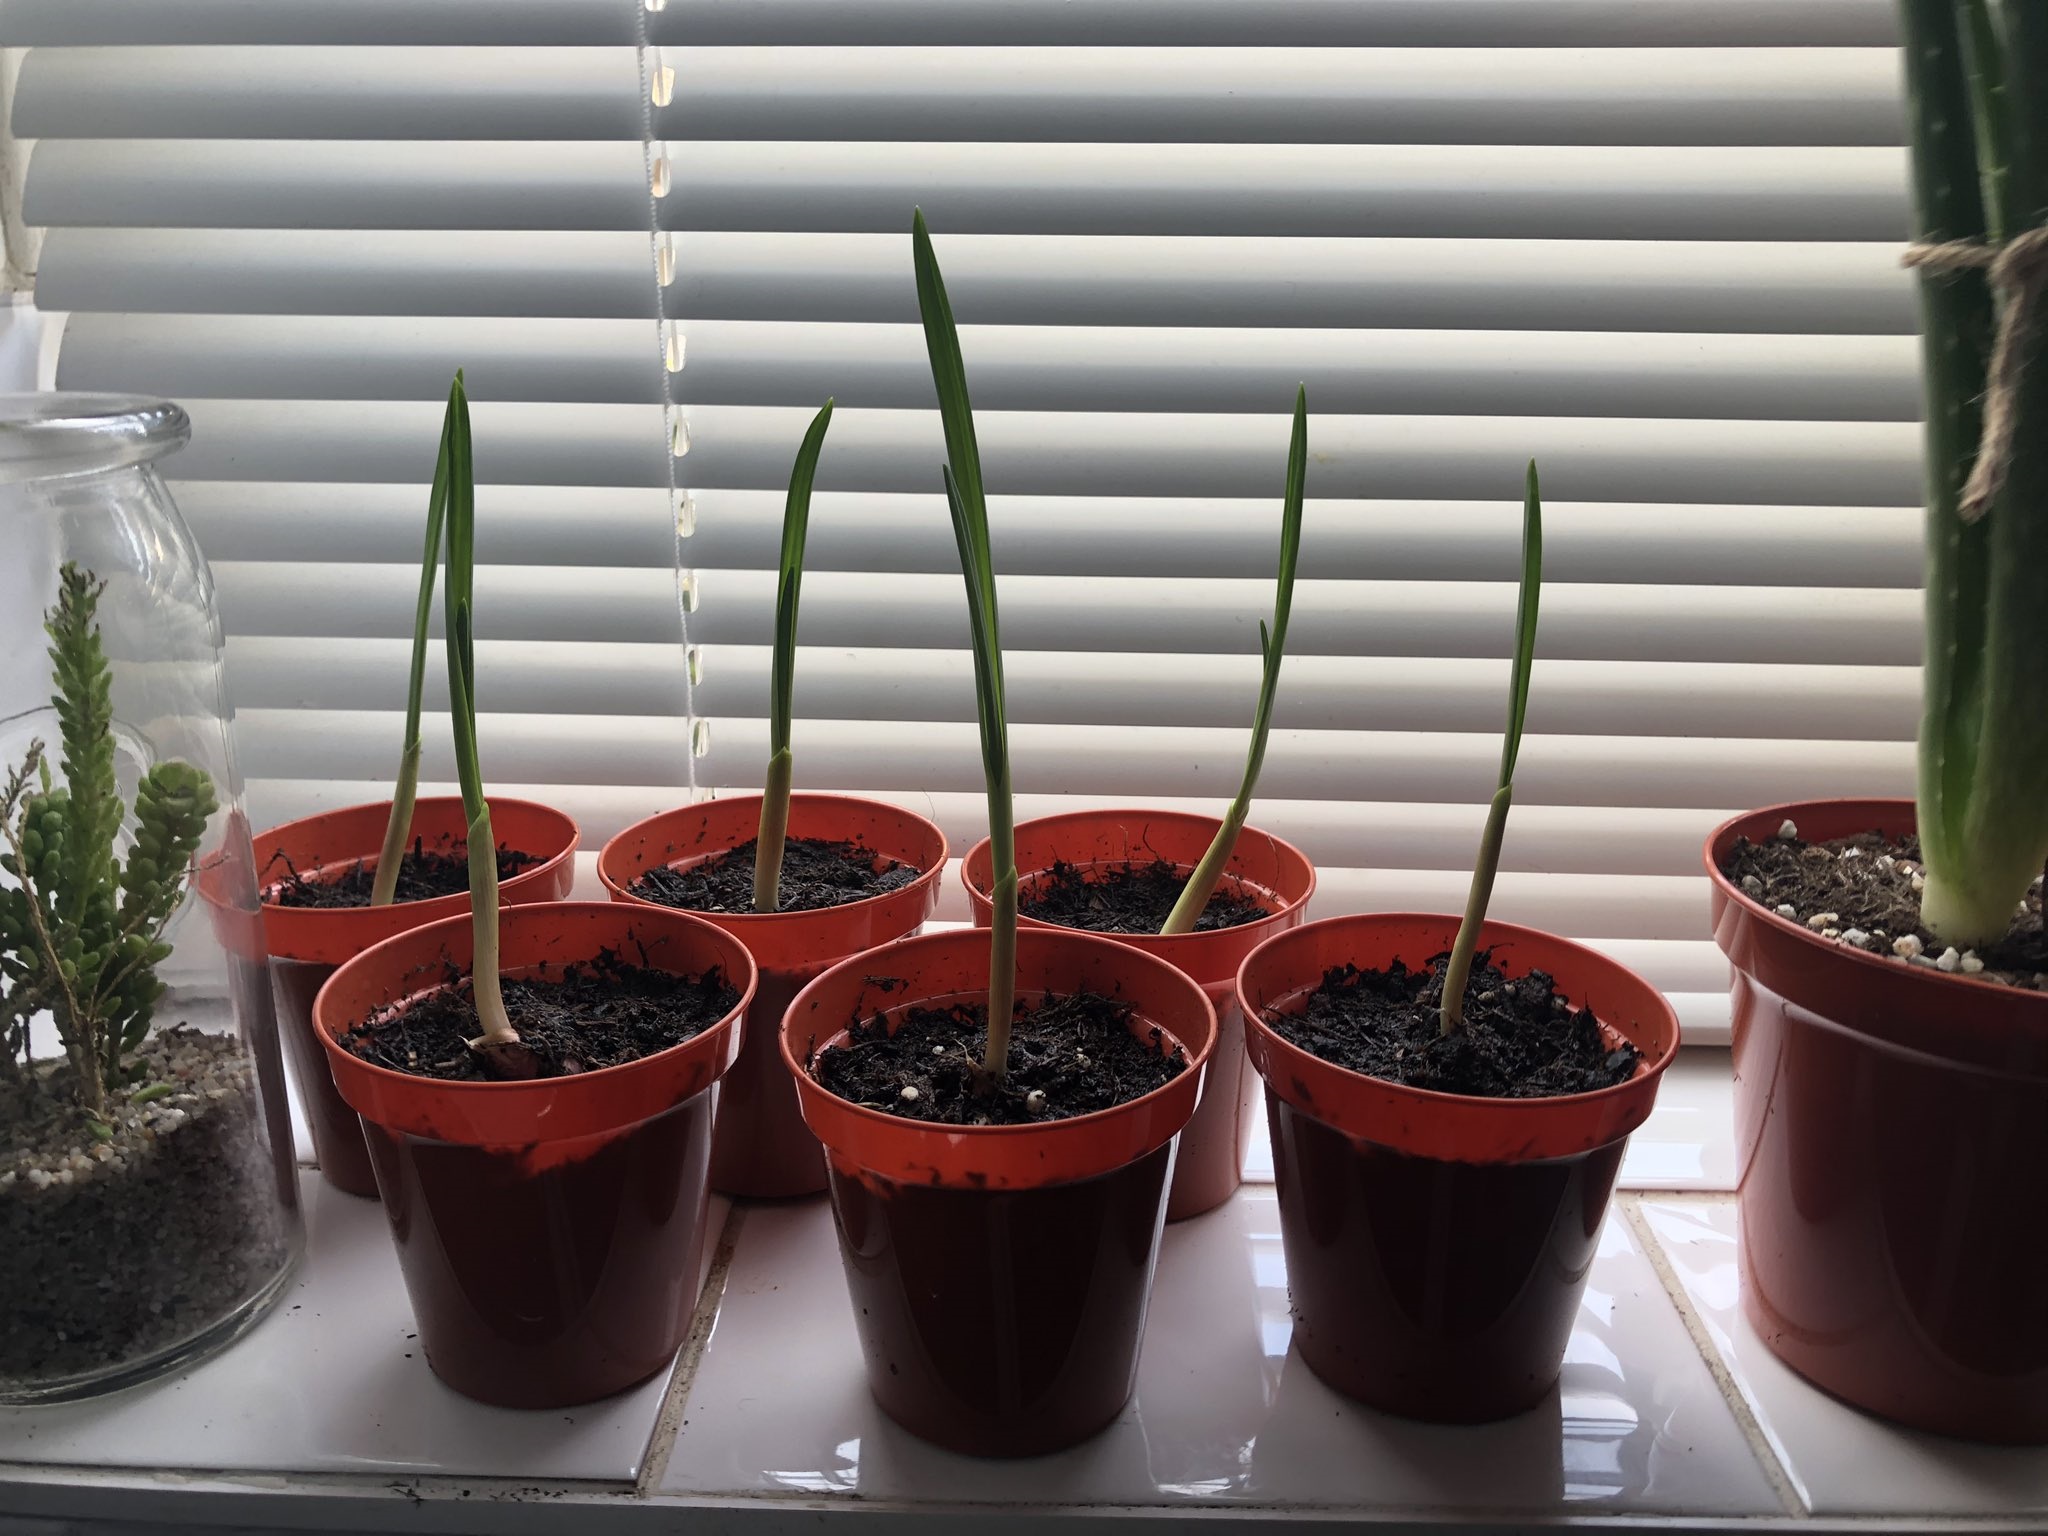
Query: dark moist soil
[[1519, 1039], [815, 873], [1859, 891], [1127, 898], [422, 876], [1069, 1056], [121, 1243], [598, 1015]]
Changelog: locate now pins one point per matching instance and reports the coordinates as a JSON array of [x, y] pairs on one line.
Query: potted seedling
[[802, 880], [1194, 890], [1449, 1100], [140, 1210], [1890, 1005], [536, 1087], [998, 1108], [337, 882]]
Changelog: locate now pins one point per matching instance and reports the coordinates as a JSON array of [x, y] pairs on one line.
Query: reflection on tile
[[1689, 1140], [335, 1381], [1841, 1461], [1224, 1413]]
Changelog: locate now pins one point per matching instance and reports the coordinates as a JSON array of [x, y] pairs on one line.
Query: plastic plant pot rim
[[1945, 1019], [1440, 1125], [332, 935], [617, 873], [541, 1109], [1183, 949], [936, 1140]]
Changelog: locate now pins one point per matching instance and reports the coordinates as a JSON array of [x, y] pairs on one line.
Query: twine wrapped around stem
[[2018, 273]]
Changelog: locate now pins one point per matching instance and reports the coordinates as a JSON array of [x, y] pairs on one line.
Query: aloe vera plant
[[406, 790], [1458, 970], [458, 473], [969, 509], [1979, 128], [796, 521], [1209, 868]]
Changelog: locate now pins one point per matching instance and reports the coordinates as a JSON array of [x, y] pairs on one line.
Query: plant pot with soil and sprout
[[802, 880], [1890, 990], [998, 1108], [537, 1088], [337, 882], [1449, 1101], [1197, 891]]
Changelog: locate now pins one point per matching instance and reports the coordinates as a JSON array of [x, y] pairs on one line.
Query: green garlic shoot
[[1208, 871], [385, 885], [969, 509], [796, 521], [459, 597], [1459, 969]]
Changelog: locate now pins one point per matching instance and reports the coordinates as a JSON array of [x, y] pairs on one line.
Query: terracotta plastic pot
[[1437, 1244], [1000, 1273], [1210, 1164], [550, 1232], [1889, 1120], [761, 1149], [307, 943]]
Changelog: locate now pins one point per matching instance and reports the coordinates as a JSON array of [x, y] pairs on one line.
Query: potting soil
[[1519, 1038], [816, 872], [1069, 1056], [422, 876], [598, 1015], [1127, 898], [1860, 891]]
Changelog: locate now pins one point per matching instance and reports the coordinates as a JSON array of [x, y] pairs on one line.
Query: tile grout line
[[1745, 1418], [661, 1441]]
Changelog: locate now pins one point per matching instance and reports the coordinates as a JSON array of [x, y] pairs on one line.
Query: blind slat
[[1483, 191], [524, 273], [1057, 368], [1332, 692], [1546, 23], [1461, 95], [1122, 762], [231, 92], [1583, 458], [336, 184], [1730, 286], [1341, 540], [576, 525]]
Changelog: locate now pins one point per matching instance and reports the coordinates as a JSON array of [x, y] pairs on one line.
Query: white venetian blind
[[1651, 243]]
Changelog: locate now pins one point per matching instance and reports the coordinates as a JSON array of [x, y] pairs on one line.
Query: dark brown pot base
[[1436, 1290], [337, 1130], [1002, 1323], [544, 1289]]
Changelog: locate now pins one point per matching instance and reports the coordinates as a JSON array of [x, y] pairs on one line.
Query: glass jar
[[148, 1188]]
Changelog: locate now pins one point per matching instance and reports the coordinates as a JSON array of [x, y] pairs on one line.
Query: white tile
[[1689, 1140], [1839, 1460], [333, 1381], [1224, 1414]]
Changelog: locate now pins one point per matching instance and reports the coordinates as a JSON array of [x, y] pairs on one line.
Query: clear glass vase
[[148, 1189]]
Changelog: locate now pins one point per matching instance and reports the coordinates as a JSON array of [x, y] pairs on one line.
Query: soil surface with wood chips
[[815, 873], [603, 1014], [422, 876], [1127, 898], [1863, 891], [1069, 1056], [1519, 1040]]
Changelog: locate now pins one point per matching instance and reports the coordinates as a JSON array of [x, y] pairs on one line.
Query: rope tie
[[2018, 274]]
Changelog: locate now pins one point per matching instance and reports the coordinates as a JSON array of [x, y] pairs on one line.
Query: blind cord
[[677, 523]]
